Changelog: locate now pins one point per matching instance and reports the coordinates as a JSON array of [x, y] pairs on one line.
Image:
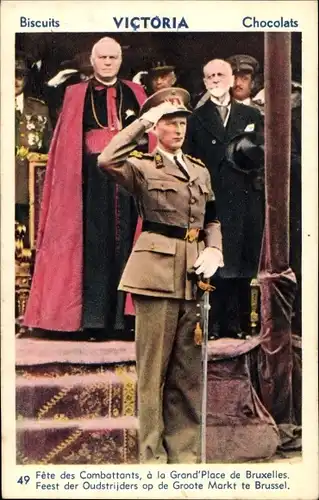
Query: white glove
[[138, 77], [37, 65], [61, 77], [208, 261], [154, 114]]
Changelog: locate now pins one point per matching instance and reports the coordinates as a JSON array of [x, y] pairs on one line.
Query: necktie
[[181, 167], [223, 110]]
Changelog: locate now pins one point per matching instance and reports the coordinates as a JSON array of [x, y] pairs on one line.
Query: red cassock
[[56, 297]]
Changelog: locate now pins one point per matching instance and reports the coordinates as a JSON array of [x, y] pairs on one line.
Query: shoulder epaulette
[[37, 100], [140, 155], [196, 160]]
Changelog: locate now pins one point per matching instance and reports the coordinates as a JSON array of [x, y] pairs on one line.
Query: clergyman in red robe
[[87, 222]]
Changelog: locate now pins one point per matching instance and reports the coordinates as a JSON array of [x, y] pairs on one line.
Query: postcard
[[158, 291]]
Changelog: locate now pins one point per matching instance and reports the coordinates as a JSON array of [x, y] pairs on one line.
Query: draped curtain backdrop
[[277, 279]]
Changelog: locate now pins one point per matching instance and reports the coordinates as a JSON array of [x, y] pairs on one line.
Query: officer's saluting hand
[[154, 114]]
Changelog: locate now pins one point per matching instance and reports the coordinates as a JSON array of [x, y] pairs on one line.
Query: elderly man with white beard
[[216, 133]]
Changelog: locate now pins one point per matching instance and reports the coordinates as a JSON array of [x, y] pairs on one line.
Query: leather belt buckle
[[192, 234]]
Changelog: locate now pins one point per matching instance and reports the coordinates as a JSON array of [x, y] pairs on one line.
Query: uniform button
[[192, 219], [22, 135], [193, 200], [191, 183], [21, 123], [214, 141], [152, 246]]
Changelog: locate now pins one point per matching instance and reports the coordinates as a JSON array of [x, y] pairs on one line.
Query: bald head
[[106, 43], [218, 77], [106, 59]]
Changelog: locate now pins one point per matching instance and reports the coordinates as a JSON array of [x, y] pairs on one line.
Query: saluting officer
[[180, 233], [159, 76], [33, 133]]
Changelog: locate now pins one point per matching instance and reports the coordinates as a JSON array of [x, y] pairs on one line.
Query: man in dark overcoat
[[212, 129]]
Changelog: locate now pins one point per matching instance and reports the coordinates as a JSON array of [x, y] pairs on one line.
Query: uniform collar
[[171, 168], [171, 156]]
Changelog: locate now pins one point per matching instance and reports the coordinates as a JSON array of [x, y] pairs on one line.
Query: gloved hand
[[61, 77], [208, 261], [138, 77], [154, 114]]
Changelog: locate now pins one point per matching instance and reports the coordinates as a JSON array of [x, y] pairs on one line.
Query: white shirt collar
[[246, 101], [19, 102], [106, 84], [225, 101], [171, 156]]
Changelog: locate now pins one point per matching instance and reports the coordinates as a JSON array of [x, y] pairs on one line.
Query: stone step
[[77, 441], [90, 392], [34, 352]]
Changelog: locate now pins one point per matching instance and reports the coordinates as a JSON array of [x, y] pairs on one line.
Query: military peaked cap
[[243, 62], [179, 97], [159, 67]]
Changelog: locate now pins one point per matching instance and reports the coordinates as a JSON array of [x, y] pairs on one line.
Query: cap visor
[[161, 69], [181, 112]]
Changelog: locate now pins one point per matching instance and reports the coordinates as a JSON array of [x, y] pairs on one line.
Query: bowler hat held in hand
[[246, 152]]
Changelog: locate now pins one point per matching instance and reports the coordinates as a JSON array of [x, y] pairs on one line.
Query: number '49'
[[23, 479]]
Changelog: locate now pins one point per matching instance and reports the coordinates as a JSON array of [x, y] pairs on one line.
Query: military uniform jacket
[[158, 264], [33, 133]]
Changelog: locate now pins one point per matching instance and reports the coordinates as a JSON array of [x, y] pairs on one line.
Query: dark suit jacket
[[240, 207]]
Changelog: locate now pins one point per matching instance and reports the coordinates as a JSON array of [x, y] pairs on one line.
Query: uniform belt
[[181, 233]]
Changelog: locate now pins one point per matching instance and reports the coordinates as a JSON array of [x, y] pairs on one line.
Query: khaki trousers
[[169, 380]]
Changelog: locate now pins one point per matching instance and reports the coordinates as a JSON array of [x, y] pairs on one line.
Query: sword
[[203, 288], [206, 308]]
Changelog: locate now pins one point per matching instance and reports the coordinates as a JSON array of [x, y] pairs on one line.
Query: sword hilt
[[202, 285]]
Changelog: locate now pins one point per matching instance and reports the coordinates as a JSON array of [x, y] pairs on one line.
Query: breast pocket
[[162, 195], [151, 265], [203, 189]]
